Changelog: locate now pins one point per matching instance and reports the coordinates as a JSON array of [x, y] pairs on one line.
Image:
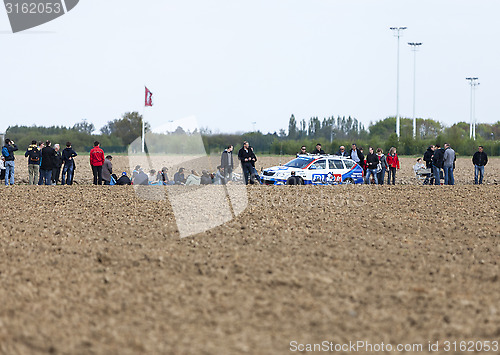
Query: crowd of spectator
[[46, 162]]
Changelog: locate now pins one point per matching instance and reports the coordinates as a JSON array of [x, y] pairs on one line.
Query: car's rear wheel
[[349, 181]]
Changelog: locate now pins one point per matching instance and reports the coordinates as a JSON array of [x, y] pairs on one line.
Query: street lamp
[[414, 46], [397, 33], [472, 128]]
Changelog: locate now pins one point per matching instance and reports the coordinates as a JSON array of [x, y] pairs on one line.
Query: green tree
[[128, 128], [84, 127], [292, 128]]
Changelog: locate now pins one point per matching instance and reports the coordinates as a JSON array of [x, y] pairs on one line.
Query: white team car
[[315, 170]]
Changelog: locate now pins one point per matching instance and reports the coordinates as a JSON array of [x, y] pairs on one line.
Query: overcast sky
[[232, 62]]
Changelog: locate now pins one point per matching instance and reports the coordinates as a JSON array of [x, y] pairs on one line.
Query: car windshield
[[299, 163]]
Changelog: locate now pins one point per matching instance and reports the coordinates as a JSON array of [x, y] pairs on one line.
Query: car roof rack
[[310, 155]]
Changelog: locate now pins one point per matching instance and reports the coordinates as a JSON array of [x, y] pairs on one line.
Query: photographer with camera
[[34, 156], [8, 153]]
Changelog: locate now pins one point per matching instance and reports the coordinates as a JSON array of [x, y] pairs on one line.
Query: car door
[[336, 168], [318, 171]]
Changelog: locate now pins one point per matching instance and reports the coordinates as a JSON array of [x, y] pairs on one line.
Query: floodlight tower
[[414, 46], [472, 128], [397, 31]]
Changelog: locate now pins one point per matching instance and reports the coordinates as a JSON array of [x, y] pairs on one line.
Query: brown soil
[[90, 269]]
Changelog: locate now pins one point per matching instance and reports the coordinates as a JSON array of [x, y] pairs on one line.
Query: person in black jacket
[[294, 180], [245, 157], [48, 157], [41, 145], [206, 179], [303, 150], [480, 159], [56, 170], [226, 161], [437, 164], [429, 153], [318, 149], [179, 178], [342, 152], [255, 174], [123, 180], [34, 155], [371, 166], [68, 156]]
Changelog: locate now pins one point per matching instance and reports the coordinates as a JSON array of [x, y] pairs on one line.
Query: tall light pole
[[474, 122], [414, 46], [472, 128], [397, 33]]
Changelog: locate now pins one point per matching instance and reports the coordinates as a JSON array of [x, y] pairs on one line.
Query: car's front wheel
[[349, 181]]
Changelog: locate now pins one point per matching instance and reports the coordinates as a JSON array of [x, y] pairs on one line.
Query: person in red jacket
[[96, 162], [393, 162]]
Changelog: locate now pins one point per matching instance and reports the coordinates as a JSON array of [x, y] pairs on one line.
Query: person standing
[[371, 166], [107, 170], [2, 168], [356, 155], [429, 153], [437, 164], [34, 155], [449, 158], [342, 152], [226, 161], [8, 154], [393, 162], [303, 150], [41, 145], [363, 162], [68, 155], [318, 150], [480, 159], [48, 157], [96, 162], [255, 174], [383, 166], [56, 171], [245, 157]]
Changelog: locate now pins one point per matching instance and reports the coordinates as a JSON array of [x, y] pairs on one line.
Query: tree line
[[331, 132]]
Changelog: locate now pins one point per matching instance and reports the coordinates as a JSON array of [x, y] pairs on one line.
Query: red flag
[[149, 98]]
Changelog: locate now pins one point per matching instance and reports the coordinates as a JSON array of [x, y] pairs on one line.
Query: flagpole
[[143, 138], [142, 120]]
